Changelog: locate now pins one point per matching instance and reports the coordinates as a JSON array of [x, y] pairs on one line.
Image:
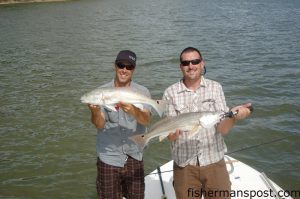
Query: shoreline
[[8, 2]]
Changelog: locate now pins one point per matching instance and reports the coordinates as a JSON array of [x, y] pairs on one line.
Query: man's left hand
[[243, 111], [128, 108]]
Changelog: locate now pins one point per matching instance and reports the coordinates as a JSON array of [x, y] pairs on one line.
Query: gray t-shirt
[[113, 146]]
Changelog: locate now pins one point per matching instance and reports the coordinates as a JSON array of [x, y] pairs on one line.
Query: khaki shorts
[[211, 181]]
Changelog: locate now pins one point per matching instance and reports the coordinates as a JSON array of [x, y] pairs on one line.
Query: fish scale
[[190, 122], [109, 97]]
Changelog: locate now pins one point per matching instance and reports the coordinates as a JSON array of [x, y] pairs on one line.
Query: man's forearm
[[97, 116], [143, 117]]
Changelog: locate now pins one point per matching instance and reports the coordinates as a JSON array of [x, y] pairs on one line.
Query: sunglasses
[[187, 62], [122, 66]]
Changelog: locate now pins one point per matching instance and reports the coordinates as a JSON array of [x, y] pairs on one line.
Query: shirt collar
[[112, 83], [183, 88]]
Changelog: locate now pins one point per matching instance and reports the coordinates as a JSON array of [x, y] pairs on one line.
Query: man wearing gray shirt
[[120, 168]]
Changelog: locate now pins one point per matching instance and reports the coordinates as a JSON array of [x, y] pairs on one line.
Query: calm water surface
[[52, 53]]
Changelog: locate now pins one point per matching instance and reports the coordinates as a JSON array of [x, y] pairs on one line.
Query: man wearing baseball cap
[[120, 167]]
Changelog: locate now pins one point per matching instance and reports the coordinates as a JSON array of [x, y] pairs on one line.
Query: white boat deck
[[246, 182]]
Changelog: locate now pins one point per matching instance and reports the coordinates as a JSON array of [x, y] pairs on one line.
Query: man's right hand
[[93, 108], [173, 136]]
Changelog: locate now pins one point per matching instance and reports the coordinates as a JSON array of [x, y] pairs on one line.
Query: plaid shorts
[[116, 182]]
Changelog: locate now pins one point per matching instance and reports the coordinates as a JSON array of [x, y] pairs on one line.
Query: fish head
[[95, 98], [209, 120]]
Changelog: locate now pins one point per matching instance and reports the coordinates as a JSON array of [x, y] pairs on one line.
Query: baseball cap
[[126, 55]]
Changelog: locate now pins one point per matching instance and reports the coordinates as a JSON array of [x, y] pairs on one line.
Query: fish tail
[[139, 140], [160, 106]]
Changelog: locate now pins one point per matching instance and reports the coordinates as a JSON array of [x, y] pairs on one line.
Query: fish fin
[[111, 107], [139, 140], [209, 121], [162, 137], [193, 131], [160, 106]]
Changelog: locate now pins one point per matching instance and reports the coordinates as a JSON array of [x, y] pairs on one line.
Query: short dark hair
[[190, 49]]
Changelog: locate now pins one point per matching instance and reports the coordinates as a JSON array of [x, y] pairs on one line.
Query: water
[[52, 53]]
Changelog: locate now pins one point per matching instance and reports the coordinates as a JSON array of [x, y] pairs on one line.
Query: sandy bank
[[27, 1]]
